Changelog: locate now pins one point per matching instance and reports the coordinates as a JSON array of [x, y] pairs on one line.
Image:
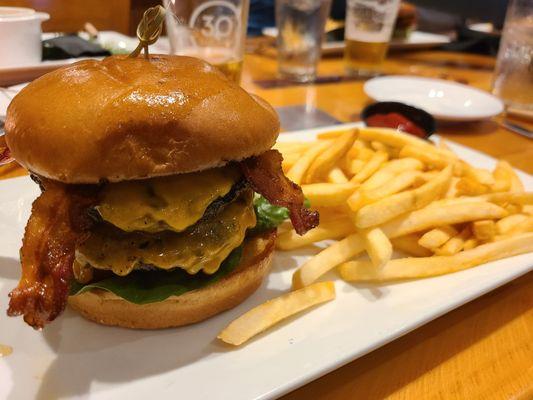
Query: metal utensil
[[521, 130]]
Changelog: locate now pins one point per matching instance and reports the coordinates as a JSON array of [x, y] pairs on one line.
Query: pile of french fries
[[379, 191]]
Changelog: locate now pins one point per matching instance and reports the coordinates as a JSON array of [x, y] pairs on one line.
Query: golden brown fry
[[481, 176], [327, 259], [328, 194], [484, 230], [394, 138], [470, 243], [409, 268], [431, 217], [388, 208], [326, 160], [337, 176], [455, 244], [352, 167], [378, 246], [378, 158], [298, 170], [409, 244], [389, 170], [265, 315], [331, 229], [516, 183], [470, 187], [430, 158], [505, 225], [437, 237]]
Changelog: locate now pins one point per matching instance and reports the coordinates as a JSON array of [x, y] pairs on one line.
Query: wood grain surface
[[483, 350]]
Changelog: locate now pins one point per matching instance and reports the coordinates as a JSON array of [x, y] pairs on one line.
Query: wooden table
[[483, 350]]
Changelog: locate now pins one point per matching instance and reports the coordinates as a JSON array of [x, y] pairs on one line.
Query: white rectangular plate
[[74, 358]]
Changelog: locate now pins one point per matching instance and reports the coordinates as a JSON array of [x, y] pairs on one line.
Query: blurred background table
[[482, 350]]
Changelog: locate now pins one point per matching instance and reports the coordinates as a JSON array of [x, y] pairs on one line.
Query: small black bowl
[[419, 117]]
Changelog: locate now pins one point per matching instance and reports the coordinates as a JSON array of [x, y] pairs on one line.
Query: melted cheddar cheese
[[165, 203], [201, 247]]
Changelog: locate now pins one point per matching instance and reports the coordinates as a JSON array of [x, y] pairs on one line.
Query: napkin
[[71, 46]]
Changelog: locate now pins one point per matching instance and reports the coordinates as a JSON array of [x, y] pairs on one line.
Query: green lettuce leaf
[[143, 287], [270, 216]]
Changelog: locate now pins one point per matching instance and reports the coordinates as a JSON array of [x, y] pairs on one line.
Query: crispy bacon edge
[[266, 177], [58, 223]]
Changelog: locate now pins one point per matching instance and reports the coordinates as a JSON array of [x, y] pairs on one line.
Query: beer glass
[[367, 33], [513, 77], [213, 30], [300, 26]]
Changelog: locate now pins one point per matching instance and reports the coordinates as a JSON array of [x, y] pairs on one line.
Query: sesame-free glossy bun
[[131, 118], [108, 309]]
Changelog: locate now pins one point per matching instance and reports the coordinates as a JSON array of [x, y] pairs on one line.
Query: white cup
[[20, 36]]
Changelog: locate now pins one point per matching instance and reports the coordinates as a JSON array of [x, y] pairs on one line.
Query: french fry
[[265, 315], [394, 138], [298, 170], [389, 170], [519, 197], [470, 243], [328, 259], [352, 167], [484, 230], [289, 159], [451, 214], [505, 225], [402, 181], [370, 167], [409, 268], [481, 176], [452, 189], [388, 208], [334, 229], [292, 147], [327, 159], [378, 246], [365, 154], [331, 134], [516, 183], [409, 244], [437, 237], [455, 244], [470, 187], [430, 158], [524, 226], [328, 194], [378, 146], [337, 176], [502, 178]]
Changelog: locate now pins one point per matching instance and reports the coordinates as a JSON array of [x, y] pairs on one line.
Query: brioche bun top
[[132, 118]]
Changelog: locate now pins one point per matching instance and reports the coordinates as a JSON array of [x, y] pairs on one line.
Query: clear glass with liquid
[[213, 30], [513, 76], [300, 26]]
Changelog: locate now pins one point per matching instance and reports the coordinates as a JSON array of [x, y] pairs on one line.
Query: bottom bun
[[106, 308]]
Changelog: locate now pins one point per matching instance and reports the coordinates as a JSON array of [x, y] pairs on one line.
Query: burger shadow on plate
[[9, 268], [88, 353]]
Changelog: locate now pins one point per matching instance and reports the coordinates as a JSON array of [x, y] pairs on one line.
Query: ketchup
[[395, 121]]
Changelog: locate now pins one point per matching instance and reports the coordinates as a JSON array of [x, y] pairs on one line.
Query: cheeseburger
[[160, 192]]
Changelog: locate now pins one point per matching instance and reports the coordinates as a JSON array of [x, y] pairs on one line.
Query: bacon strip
[[266, 177], [58, 222]]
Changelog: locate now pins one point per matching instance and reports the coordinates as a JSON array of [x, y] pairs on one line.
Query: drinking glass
[[300, 26], [367, 34], [213, 30], [513, 77]]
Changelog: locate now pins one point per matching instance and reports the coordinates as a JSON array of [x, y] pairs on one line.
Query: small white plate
[[445, 100]]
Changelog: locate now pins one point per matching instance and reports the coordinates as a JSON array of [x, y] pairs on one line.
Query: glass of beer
[[367, 33], [213, 30], [513, 78]]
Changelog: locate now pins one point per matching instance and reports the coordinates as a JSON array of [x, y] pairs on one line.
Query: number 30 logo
[[212, 23]]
